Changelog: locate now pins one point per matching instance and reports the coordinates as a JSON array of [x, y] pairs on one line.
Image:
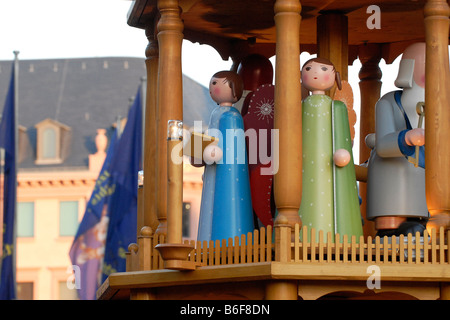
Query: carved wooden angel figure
[[258, 109], [226, 207], [330, 199]]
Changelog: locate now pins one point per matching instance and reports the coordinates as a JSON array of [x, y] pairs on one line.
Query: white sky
[[46, 29]]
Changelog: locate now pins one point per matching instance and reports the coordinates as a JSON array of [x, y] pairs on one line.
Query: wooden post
[[132, 257], [170, 93], [288, 116], [282, 239], [170, 107], [332, 42], [145, 243], [370, 88], [282, 289], [149, 190], [437, 119]]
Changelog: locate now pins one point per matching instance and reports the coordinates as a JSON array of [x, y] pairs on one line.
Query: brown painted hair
[[328, 63], [234, 81]]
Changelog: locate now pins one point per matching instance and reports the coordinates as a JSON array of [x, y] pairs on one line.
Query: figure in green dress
[[330, 199]]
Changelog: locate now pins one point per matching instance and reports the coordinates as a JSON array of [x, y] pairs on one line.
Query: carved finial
[[133, 247], [146, 231], [101, 141]]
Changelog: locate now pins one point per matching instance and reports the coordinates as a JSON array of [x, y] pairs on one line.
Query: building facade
[[67, 110]]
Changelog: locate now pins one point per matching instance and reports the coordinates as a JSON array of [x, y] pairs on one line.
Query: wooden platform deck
[[244, 267]]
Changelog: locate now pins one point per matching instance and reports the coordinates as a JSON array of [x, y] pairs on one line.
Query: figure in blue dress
[[226, 207]]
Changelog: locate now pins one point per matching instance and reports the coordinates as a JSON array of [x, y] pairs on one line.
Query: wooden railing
[[431, 249], [282, 243]]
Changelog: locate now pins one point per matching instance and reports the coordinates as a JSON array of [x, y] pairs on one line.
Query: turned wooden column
[[170, 93], [149, 190], [288, 115], [437, 113], [370, 89], [332, 41]]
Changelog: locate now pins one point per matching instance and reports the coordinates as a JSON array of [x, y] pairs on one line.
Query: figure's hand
[[415, 137], [341, 157], [211, 154], [370, 140]]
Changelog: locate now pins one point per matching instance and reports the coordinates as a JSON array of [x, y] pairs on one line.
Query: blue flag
[[88, 246], [122, 203], [8, 142]]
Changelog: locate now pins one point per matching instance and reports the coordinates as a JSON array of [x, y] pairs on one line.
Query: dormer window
[[51, 136], [49, 143]]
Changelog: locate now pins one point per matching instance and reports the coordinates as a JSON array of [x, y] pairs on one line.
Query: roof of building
[[84, 94]]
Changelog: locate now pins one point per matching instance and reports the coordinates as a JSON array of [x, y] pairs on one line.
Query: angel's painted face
[[220, 91], [318, 76]]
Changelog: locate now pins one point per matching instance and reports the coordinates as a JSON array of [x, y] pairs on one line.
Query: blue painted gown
[[226, 208]]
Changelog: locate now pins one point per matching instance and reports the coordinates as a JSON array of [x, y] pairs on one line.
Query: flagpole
[[16, 149], [8, 141], [16, 104]]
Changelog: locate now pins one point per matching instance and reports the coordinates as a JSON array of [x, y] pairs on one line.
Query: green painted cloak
[[329, 193]]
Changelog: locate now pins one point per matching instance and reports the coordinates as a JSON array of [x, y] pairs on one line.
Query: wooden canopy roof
[[236, 26]]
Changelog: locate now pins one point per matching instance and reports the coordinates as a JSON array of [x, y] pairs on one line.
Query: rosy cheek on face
[[326, 77]]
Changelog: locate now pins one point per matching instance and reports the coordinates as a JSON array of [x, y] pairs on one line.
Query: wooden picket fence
[[269, 244], [426, 249], [253, 247]]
